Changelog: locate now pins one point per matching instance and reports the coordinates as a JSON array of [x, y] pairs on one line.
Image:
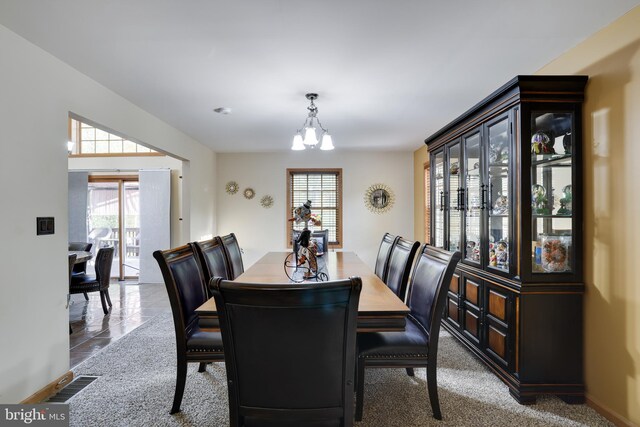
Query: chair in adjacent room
[[417, 345], [72, 262], [84, 283], [290, 351], [400, 262], [384, 252], [186, 288], [234, 255], [80, 267]]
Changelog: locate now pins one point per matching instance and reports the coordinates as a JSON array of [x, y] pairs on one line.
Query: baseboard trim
[[612, 416], [50, 389]]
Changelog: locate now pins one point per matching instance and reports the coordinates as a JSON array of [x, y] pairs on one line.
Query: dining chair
[[186, 288], [72, 262], [321, 237], [213, 259], [400, 262], [234, 255], [417, 345], [83, 283], [384, 252], [290, 351], [80, 267]]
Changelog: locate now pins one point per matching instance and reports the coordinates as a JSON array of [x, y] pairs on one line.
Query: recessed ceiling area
[[388, 74]]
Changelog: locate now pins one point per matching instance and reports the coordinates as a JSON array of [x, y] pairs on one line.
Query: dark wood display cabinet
[[506, 191]]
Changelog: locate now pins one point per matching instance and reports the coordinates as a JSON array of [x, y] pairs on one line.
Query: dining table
[[81, 256], [379, 309]]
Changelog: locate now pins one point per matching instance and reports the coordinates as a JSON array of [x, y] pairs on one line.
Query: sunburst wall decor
[[379, 198]]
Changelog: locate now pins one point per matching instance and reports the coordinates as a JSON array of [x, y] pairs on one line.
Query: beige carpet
[[137, 379]]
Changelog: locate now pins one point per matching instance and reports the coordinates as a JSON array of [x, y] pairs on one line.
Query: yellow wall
[[611, 59], [420, 157]]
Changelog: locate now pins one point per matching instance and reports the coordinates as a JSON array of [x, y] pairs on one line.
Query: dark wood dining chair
[[186, 288], [234, 255], [72, 262], [290, 351], [84, 283], [320, 236], [384, 253], [80, 267], [213, 259], [401, 259], [417, 345]]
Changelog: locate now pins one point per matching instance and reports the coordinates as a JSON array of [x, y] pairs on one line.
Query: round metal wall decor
[[232, 187], [266, 202], [249, 193], [379, 198]]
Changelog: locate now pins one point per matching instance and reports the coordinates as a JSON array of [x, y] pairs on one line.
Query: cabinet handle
[[461, 199], [483, 191], [441, 201]]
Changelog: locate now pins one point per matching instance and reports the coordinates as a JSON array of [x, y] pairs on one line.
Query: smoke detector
[[222, 110]]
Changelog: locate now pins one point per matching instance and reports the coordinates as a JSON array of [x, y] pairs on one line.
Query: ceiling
[[389, 73]]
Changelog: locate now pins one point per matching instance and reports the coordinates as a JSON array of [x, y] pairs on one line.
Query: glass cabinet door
[[439, 196], [551, 192], [499, 197], [472, 197], [455, 198]]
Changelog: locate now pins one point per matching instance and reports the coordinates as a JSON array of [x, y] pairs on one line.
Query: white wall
[[262, 230], [37, 92], [107, 166]]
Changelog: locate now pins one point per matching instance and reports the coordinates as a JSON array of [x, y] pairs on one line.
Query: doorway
[[113, 219]]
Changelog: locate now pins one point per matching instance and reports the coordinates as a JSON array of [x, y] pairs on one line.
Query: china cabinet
[[506, 191]]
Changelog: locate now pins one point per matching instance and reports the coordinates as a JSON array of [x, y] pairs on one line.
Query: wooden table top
[[379, 308]]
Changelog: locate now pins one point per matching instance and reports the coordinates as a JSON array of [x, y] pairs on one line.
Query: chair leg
[[86, 296], [104, 303], [410, 372], [360, 389], [432, 386], [106, 294], [180, 383], [202, 367]]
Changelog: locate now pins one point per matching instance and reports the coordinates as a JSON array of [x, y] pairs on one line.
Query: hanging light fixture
[[308, 129]]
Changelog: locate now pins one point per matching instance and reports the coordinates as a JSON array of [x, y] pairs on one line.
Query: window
[[324, 188], [89, 141]]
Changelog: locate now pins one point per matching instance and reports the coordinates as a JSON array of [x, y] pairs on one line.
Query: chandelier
[[310, 139]]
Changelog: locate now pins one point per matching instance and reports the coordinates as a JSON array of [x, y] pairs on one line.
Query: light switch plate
[[45, 225]]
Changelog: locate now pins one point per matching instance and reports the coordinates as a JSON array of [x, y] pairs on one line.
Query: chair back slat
[[384, 252], [289, 349]]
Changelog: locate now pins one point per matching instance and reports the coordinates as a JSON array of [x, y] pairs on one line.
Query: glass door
[[113, 220], [551, 191], [455, 197], [472, 197], [499, 197], [439, 196]]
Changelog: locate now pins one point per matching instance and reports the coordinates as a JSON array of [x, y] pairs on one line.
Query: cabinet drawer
[[497, 305], [472, 292], [498, 342], [453, 314], [472, 324], [455, 284]]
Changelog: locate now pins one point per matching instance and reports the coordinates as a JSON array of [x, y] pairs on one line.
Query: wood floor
[[133, 304]]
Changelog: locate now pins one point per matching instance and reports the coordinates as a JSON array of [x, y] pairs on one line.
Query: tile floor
[[133, 304]]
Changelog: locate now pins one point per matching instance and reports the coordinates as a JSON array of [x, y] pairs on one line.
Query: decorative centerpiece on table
[[307, 250]]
